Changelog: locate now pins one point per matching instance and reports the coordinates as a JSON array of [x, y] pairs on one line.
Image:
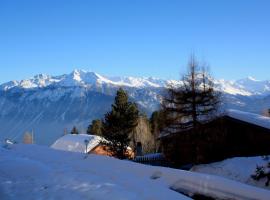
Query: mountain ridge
[[51, 104], [247, 87]]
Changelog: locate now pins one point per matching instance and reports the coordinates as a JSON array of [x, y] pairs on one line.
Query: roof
[[76, 142], [251, 118]]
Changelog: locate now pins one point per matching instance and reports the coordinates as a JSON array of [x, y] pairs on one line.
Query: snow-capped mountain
[[49, 104], [246, 87], [84, 79]]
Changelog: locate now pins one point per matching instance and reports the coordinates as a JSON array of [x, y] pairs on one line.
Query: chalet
[[235, 133], [84, 143], [28, 138]]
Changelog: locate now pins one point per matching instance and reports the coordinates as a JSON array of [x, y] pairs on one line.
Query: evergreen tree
[[119, 123], [194, 102], [74, 130], [191, 104], [95, 128]]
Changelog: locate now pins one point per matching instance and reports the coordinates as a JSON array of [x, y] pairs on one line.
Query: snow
[[251, 78], [229, 87], [39, 172], [245, 87], [76, 142], [251, 118], [138, 82], [239, 169], [9, 85], [34, 172], [255, 87]]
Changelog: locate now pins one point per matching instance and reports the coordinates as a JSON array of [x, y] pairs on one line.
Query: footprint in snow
[[156, 175]]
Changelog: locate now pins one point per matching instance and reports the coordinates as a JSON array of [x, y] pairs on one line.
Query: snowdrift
[[37, 172], [239, 169]]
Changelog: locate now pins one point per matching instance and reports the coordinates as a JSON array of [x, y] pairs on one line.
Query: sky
[[134, 37]]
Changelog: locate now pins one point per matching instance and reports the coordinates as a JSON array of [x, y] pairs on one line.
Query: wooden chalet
[[84, 143], [233, 134]]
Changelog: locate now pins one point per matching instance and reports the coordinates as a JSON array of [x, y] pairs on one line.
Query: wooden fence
[[156, 159]]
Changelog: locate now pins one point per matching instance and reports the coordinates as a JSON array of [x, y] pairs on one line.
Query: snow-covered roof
[[251, 118], [76, 142]]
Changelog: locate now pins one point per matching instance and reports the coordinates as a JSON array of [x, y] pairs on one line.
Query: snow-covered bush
[[262, 172]]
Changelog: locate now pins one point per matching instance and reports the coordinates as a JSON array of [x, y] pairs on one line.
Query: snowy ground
[[239, 169], [38, 172]]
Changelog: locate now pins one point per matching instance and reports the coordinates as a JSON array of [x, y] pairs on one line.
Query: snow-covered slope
[[49, 104], [239, 169], [37, 172], [38, 81], [82, 78], [245, 87], [255, 87]]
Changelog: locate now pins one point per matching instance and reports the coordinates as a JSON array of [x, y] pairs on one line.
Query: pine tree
[[193, 103], [119, 123], [190, 105], [95, 128], [74, 130]]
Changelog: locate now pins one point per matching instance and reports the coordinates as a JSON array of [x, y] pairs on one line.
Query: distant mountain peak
[[41, 76], [251, 78], [79, 71], [49, 104], [81, 78]]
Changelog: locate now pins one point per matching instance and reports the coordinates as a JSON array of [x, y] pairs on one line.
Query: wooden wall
[[222, 138]]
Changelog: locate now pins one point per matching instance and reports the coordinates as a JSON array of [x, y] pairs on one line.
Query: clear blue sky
[[134, 37]]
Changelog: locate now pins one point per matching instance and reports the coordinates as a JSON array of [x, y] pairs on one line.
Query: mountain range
[[49, 105]]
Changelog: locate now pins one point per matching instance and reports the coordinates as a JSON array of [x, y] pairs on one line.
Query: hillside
[[238, 169], [37, 172], [49, 104]]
